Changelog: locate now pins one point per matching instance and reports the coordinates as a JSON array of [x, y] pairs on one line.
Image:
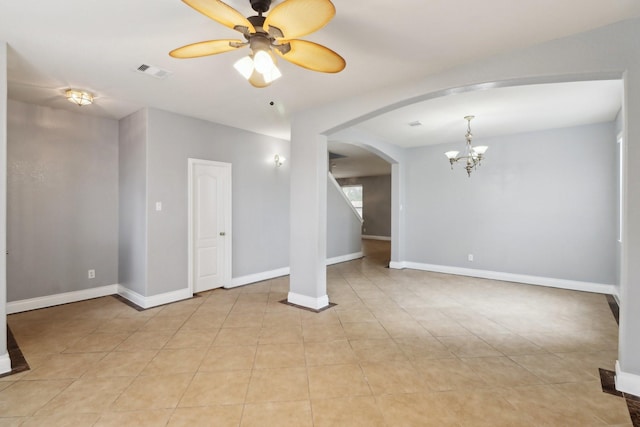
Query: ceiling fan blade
[[297, 18], [223, 13], [211, 47], [313, 56]]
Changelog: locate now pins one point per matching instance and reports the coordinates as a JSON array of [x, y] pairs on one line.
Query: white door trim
[[226, 274]]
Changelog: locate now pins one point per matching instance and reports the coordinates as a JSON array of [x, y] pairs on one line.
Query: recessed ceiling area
[[497, 111]]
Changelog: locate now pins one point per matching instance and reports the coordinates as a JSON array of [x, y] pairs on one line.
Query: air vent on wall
[[153, 71]]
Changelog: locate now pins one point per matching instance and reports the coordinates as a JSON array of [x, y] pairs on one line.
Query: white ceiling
[[97, 45]]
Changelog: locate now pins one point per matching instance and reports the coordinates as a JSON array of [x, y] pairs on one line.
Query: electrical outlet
[[470, 257], [92, 274]]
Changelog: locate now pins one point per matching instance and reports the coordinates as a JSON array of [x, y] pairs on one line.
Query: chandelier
[[472, 155]]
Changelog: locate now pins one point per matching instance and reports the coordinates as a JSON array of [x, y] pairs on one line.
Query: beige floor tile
[[206, 320], [282, 319], [606, 407], [448, 374], [61, 366], [175, 361], [512, 344], [350, 411], [281, 335], [330, 381], [468, 346], [228, 358], [216, 388], [553, 369], [350, 316], [97, 342], [153, 392], [277, 414], [251, 318], [191, 338], [87, 395], [17, 421], [423, 348], [394, 378], [164, 323], [501, 371], [377, 350], [365, 330], [279, 356], [444, 328], [121, 364], [146, 418], [315, 332], [24, 398], [142, 340], [221, 415], [122, 324], [237, 336], [329, 353], [417, 409], [61, 420], [544, 405], [278, 385]]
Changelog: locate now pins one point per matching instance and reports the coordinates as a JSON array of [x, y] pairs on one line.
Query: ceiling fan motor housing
[[260, 6]]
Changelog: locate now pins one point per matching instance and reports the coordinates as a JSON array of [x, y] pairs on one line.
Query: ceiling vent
[[416, 123], [153, 71]]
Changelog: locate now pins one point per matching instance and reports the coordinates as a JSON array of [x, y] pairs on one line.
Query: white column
[[628, 365], [308, 216], [5, 361]]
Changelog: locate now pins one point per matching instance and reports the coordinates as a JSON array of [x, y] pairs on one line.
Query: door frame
[[226, 273]]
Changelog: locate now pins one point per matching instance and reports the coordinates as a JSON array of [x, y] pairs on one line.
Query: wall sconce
[[279, 160]]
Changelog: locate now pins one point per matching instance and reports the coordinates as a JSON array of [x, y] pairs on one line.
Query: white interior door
[[210, 225]]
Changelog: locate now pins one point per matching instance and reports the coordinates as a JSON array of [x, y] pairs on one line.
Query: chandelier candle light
[[473, 155]]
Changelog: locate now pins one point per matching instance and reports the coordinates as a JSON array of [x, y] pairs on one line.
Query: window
[[354, 194]]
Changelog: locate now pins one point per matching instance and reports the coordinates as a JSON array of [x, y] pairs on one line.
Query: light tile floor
[[401, 348]]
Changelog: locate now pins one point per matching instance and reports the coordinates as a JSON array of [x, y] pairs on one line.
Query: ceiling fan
[[278, 32]]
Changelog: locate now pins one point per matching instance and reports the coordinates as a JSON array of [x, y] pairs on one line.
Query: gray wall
[[376, 201], [132, 254], [343, 223], [542, 204], [260, 194], [62, 201]]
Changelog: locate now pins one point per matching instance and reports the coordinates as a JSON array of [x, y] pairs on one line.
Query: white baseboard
[[385, 238], [626, 382], [154, 300], [258, 277], [5, 363], [344, 258], [309, 302], [600, 288], [57, 299]]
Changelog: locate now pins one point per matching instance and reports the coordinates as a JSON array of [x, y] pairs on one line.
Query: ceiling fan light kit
[[472, 155], [275, 34]]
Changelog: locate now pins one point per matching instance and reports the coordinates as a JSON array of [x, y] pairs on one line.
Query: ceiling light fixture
[[473, 155], [268, 36], [79, 97]]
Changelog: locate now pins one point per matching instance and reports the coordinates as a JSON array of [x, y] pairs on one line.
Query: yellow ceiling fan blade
[[313, 56], [297, 18], [211, 47], [222, 13]]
